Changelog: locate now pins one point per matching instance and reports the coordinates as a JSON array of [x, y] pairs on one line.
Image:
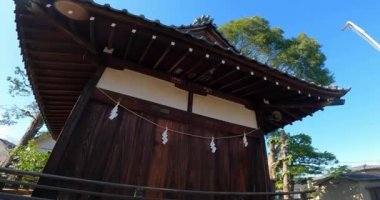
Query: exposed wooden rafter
[[38, 11], [147, 48], [251, 86], [222, 77], [92, 31], [180, 60], [163, 55], [234, 82], [109, 48], [209, 71], [193, 67], [132, 36]]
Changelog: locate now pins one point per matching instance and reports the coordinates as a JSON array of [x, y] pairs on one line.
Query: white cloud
[[5, 132]]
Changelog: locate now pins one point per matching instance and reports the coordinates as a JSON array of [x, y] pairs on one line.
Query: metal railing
[[138, 191]]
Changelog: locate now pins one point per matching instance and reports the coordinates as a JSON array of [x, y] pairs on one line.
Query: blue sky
[[351, 131]]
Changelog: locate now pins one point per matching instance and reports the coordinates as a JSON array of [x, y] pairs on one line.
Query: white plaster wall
[[144, 87], [152, 89], [224, 110]]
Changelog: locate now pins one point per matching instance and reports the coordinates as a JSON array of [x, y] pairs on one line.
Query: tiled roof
[[230, 50]]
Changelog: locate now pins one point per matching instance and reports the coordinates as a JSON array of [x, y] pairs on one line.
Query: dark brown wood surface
[[130, 150]]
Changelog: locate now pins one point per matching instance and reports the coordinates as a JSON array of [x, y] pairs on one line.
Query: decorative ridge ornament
[[202, 20], [114, 112]]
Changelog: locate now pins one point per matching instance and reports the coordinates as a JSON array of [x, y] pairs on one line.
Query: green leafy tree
[[302, 159], [335, 172], [300, 56], [19, 87], [28, 158]]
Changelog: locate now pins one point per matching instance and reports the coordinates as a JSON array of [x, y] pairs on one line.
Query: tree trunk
[[272, 163], [33, 129], [285, 176], [291, 183]]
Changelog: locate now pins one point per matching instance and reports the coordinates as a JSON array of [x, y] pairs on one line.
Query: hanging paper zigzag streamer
[[245, 141], [114, 114], [212, 145], [114, 111], [165, 136]]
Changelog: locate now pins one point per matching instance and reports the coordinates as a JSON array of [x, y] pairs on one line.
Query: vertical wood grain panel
[[130, 150]]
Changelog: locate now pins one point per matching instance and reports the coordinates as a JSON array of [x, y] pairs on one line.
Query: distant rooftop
[[362, 168]]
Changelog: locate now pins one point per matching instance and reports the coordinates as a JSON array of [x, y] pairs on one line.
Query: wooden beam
[[50, 10], [65, 56], [307, 104], [289, 113], [36, 30], [37, 42], [59, 111], [186, 85], [249, 86], [276, 124], [60, 80], [207, 71], [56, 114], [59, 103], [81, 67], [147, 48], [111, 35], [264, 89], [59, 92], [59, 107], [38, 11], [190, 102], [62, 73], [307, 111], [179, 61], [92, 31], [193, 68], [132, 36], [66, 132], [57, 120], [163, 55], [54, 86], [172, 114], [59, 97], [73, 27], [233, 82], [222, 77]]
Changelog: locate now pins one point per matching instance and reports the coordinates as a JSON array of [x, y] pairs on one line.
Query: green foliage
[[18, 86], [300, 56], [27, 158], [303, 159], [335, 172], [306, 159], [19, 83], [11, 114]]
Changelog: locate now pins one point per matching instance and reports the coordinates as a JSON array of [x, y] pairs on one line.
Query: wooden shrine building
[[190, 111]]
